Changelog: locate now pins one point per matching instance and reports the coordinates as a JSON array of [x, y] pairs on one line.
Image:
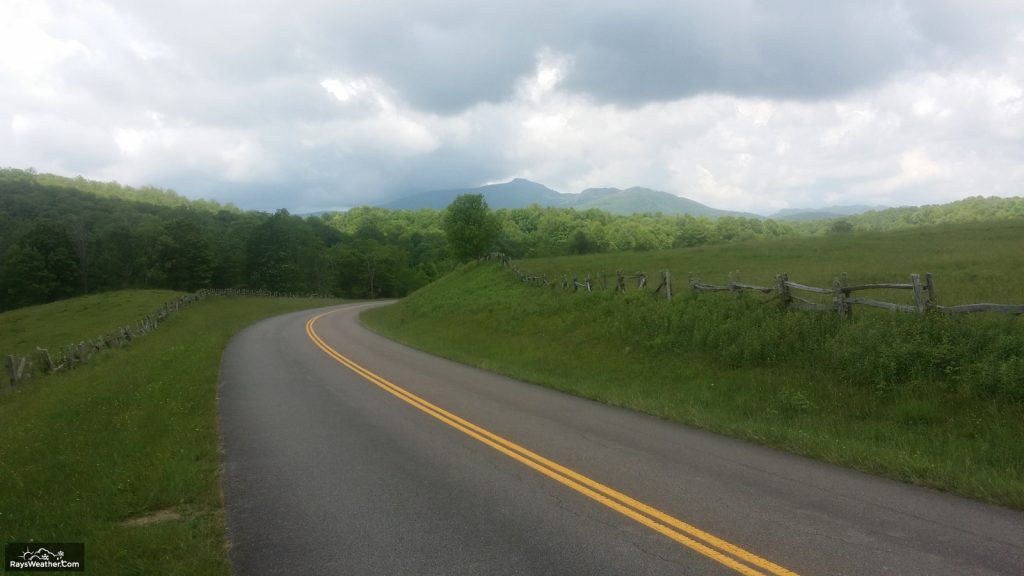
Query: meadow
[[123, 454], [936, 400], [70, 321]]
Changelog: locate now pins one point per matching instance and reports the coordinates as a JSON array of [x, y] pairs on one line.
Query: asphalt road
[[423, 466]]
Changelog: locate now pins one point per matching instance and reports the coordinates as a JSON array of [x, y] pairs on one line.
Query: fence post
[[843, 308], [784, 295], [667, 279], [915, 279], [620, 281], [17, 369], [47, 362], [641, 281], [930, 282], [588, 282]]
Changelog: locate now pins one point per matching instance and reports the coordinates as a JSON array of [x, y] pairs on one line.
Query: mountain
[[826, 213], [638, 200], [520, 193]]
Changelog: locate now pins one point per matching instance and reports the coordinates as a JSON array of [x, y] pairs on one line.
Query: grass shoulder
[[911, 398], [123, 453]]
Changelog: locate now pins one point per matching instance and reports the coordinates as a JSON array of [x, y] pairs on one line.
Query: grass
[[976, 262], [937, 401], [124, 453], [72, 320]]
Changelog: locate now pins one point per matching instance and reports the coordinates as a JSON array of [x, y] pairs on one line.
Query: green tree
[[282, 254], [40, 267], [186, 257], [471, 228], [841, 227]]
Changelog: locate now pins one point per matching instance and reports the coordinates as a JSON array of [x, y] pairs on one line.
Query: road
[[346, 453]]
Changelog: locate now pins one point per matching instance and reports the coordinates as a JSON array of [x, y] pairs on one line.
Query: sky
[[316, 105]]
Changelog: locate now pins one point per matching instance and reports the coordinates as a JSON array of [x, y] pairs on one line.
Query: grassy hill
[[123, 454], [639, 200], [72, 320], [934, 400]]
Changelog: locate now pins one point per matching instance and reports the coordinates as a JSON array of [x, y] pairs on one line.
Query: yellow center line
[[702, 542]]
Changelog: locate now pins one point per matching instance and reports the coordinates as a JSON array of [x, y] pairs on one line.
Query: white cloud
[[338, 104], [551, 70]]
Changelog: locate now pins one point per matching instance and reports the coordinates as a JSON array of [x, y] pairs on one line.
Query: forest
[[61, 237]]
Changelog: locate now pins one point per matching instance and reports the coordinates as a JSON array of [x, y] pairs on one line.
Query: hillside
[[934, 400], [62, 237], [824, 213], [145, 194], [72, 320], [520, 193], [638, 200]]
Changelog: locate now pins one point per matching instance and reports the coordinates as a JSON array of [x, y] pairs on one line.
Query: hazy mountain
[[826, 213], [638, 200], [520, 193]]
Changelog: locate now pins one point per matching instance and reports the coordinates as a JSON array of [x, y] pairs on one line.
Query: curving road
[[345, 453]]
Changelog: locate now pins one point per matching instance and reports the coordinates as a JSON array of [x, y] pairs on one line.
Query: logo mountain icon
[[41, 555]]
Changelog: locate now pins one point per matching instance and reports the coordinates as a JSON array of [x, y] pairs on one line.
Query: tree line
[[61, 237], [58, 241]]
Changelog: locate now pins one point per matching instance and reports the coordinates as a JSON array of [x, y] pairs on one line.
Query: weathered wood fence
[[844, 296], [21, 367], [843, 300]]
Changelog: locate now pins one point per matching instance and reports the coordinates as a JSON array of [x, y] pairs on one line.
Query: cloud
[[314, 104]]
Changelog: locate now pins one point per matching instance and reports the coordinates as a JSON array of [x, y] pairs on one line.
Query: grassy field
[[70, 321], [123, 454], [935, 400], [977, 262]]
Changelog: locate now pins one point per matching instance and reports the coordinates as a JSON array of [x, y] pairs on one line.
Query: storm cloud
[[315, 105]]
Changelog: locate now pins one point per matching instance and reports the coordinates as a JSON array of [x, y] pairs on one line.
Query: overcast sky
[[313, 105]]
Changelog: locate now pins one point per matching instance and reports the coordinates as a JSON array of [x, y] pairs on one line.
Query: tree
[[40, 267], [841, 227], [186, 256], [282, 254], [471, 228]]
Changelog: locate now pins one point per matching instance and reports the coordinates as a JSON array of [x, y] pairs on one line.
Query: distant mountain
[[638, 200], [520, 193], [826, 213]]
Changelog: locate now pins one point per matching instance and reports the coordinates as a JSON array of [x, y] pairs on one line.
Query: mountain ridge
[[823, 213], [520, 193]]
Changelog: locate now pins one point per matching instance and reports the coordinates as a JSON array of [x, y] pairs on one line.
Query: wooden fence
[[21, 367], [841, 293]]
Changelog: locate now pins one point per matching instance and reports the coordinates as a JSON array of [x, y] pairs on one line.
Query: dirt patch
[[155, 518]]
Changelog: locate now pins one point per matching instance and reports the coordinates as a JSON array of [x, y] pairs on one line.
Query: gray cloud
[[315, 104], [445, 57]]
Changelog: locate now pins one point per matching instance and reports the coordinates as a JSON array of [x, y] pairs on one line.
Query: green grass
[[977, 262], [70, 321], [131, 434], [935, 400]]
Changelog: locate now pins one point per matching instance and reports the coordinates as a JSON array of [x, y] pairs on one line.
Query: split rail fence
[[21, 367], [844, 295]]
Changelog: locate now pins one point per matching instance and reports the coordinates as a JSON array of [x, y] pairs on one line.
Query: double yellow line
[[711, 546]]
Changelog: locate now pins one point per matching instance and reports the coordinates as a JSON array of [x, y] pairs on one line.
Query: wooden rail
[[71, 356], [842, 301]]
